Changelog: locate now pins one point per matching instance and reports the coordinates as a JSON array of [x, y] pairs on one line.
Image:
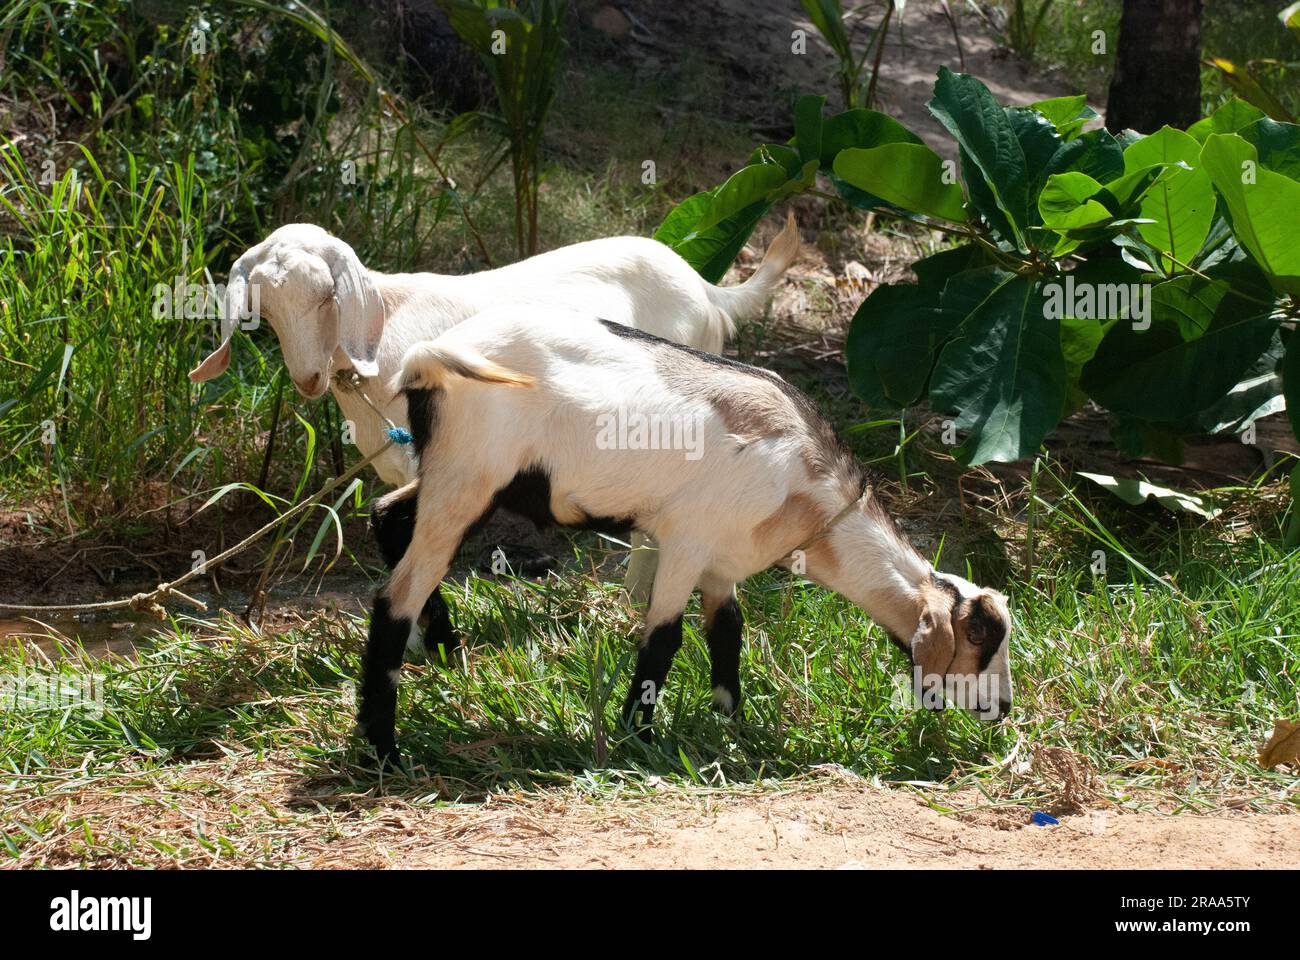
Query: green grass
[[1164, 682]]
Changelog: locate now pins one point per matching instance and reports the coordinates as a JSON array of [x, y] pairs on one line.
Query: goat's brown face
[[960, 648]]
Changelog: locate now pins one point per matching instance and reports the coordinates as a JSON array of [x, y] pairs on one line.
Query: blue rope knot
[[400, 436]]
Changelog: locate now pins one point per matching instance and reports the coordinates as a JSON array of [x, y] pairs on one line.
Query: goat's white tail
[[748, 299], [428, 365]]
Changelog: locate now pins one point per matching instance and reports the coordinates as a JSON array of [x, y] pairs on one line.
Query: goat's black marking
[[984, 626], [392, 520], [383, 657], [528, 494], [422, 410], [724, 637], [652, 664]]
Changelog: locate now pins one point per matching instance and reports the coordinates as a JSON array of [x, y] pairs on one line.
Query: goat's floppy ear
[[361, 309], [234, 310], [933, 645]]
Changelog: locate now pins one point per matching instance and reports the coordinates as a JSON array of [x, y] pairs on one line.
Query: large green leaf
[[1258, 394], [1066, 202], [933, 271], [1262, 205], [808, 127], [1201, 340], [908, 175], [1135, 492], [708, 229], [1003, 373], [1278, 145], [1181, 205], [1040, 143], [1095, 153], [980, 125], [892, 342], [712, 251], [860, 128], [745, 187], [1232, 115], [1083, 300], [1067, 114]]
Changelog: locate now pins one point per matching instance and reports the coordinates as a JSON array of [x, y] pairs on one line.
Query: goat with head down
[[331, 314]]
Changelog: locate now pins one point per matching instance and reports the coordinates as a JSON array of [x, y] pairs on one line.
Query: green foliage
[[1033, 313], [832, 22], [520, 45], [1024, 24], [153, 148], [534, 702]]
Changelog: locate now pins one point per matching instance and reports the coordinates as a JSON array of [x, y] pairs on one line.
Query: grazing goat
[[569, 419], [332, 314]]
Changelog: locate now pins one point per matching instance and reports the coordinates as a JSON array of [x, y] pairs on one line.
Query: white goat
[[566, 418], [332, 314]]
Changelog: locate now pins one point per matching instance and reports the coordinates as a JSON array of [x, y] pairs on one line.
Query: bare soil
[[267, 814]]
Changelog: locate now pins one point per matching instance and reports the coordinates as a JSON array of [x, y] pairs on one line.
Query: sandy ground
[[267, 814], [853, 827], [751, 41]]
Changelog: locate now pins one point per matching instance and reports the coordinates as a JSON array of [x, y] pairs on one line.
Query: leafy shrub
[[1157, 276], [520, 46]]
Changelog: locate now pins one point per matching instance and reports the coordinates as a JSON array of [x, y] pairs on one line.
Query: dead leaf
[[1282, 747]]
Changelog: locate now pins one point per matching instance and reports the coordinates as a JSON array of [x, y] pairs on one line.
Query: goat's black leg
[[380, 667], [393, 521], [723, 630], [652, 664], [435, 621]]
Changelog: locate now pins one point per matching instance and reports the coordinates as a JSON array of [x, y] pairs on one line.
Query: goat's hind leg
[[439, 527]]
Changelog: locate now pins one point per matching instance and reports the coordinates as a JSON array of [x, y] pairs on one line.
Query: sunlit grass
[[1162, 689]]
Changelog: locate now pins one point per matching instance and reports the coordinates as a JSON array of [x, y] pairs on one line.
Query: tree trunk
[[1157, 78]]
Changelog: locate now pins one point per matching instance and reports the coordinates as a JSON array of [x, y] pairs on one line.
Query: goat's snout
[[310, 387]]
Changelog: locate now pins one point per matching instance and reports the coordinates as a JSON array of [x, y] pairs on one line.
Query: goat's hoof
[[726, 701]]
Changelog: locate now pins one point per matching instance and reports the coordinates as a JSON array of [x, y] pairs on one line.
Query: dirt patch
[[853, 825], [751, 41], [266, 814]]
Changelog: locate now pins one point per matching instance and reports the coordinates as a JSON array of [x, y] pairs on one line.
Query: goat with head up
[[332, 314]]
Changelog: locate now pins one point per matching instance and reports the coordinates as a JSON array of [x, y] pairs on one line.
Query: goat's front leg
[[662, 637], [723, 626], [641, 564]]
